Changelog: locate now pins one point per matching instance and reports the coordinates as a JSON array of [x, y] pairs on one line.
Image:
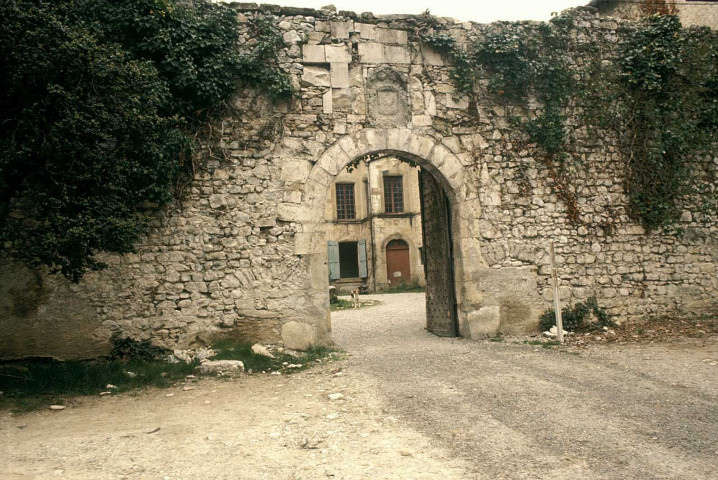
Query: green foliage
[[576, 318], [668, 75], [657, 94], [99, 100], [38, 383], [127, 348], [548, 130], [33, 384], [509, 56], [439, 41], [256, 66]]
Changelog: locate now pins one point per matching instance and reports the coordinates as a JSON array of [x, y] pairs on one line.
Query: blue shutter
[[361, 253], [333, 254]]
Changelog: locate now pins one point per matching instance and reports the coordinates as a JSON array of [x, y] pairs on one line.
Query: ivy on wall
[[655, 94], [99, 102]]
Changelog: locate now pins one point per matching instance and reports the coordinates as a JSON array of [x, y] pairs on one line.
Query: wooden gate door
[[438, 257], [398, 269]]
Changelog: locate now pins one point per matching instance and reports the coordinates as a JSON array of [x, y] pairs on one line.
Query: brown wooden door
[[398, 269], [438, 257]]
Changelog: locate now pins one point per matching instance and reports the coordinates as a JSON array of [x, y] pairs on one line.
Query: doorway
[[398, 267]]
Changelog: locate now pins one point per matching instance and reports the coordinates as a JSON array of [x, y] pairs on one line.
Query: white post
[[556, 299]]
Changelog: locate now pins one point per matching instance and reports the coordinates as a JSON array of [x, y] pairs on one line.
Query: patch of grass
[[533, 342], [341, 304], [233, 350], [29, 385], [551, 344], [497, 338]]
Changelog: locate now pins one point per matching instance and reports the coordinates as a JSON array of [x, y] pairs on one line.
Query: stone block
[[327, 104], [315, 38], [484, 322], [432, 57], [295, 171], [429, 103], [292, 37], [337, 54], [458, 102], [367, 31], [342, 97], [313, 54], [397, 54], [340, 75], [371, 53], [341, 30], [391, 35], [298, 336], [421, 120], [316, 76]]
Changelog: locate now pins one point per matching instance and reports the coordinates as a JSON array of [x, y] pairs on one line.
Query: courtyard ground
[[402, 404]]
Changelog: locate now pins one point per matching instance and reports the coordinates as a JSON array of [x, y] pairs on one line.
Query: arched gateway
[[442, 173]]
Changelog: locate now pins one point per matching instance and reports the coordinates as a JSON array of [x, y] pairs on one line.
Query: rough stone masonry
[[245, 254]]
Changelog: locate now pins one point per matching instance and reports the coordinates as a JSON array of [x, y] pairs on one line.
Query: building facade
[[373, 215]]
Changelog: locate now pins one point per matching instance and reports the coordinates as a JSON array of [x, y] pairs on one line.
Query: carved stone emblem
[[387, 98]]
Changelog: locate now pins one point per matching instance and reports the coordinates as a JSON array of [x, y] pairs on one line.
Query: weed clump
[[578, 317]]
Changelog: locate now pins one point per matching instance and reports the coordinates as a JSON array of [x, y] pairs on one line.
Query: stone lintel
[[371, 53], [337, 54]]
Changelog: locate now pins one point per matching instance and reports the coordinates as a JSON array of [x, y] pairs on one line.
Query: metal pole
[[556, 298]]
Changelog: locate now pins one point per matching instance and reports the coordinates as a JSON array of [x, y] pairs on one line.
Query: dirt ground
[[412, 406]]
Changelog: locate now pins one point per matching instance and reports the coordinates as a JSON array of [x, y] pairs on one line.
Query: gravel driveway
[[512, 410], [403, 405]]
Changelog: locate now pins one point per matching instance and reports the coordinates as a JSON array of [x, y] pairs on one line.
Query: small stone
[[259, 349], [186, 389], [170, 395], [110, 386], [131, 374], [295, 365], [335, 396], [57, 407], [103, 394], [276, 373]]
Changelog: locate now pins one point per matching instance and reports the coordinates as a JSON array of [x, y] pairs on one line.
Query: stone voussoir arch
[[422, 149]]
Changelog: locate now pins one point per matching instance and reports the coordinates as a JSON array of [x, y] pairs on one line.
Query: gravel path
[[403, 405], [511, 410]]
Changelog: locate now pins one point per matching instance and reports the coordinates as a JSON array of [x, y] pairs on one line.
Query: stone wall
[[244, 254], [702, 14]]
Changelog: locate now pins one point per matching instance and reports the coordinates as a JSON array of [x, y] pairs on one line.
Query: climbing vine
[[655, 94], [100, 102]]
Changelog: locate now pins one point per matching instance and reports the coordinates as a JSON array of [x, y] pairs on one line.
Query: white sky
[[476, 10]]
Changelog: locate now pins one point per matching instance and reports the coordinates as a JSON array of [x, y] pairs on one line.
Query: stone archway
[[434, 157]]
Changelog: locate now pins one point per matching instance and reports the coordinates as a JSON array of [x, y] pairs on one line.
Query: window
[[345, 201], [347, 259], [393, 194]]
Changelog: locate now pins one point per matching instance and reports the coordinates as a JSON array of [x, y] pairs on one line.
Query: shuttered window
[[346, 209], [393, 194]]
